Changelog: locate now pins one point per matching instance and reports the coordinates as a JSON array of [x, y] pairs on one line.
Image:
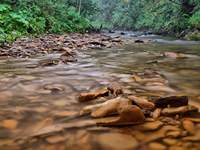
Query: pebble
[[156, 146], [188, 126], [151, 126], [170, 141]]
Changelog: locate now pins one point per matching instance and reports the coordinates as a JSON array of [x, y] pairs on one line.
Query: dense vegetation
[[157, 15], [32, 17]]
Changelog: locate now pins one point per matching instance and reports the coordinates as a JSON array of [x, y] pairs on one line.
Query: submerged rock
[[111, 107], [151, 126], [142, 103], [179, 110], [188, 126], [128, 115], [172, 101], [115, 89], [84, 97], [156, 113]]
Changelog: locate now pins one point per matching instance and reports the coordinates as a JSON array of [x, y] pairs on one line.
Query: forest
[[33, 17]]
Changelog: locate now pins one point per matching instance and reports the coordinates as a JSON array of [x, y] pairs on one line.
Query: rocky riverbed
[[99, 92]]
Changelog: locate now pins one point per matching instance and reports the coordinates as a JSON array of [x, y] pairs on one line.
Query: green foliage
[[157, 15], [27, 17], [195, 20]]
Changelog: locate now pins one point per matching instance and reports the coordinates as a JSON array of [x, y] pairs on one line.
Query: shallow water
[[36, 96]]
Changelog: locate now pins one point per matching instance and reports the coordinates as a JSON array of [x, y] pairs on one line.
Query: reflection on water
[[32, 97]]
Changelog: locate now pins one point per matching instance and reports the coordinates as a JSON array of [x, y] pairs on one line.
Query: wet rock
[[142, 103], [172, 101], [128, 115], [111, 107], [65, 113], [170, 141], [156, 113], [84, 97], [115, 89], [156, 146], [188, 126], [174, 55], [49, 62], [179, 110], [54, 87], [139, 41], [9, 124], [159, 88], [56, 139], [195, 138], [151, 126], [170, 121], [195, 120], [177, 148], [116, 141], [174, 134]]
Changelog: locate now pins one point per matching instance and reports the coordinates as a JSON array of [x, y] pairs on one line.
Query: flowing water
[[33, 97]]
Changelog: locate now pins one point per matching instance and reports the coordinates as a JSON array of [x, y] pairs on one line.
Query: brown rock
[[195, 120], [115, 89], [142, 103], [151, 126], [116, 141], [179, 110], [128, 115], [111, 107], [177, 148], [9, 124], [156, 113], [173, 101], [173, 134], [156, 146], [84, 97], [188, 126], [170, 141], [56, 139]]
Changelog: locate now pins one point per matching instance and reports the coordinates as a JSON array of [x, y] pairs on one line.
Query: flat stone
[[170, 141], [177, 148], [110, 107], [142, 103], [172, 101], [151, 126], [128, 115], [173, 134], [56, 139], [156, 146], [179, 110], [116, 141], [9, 124], [188, 125], [84, 97]]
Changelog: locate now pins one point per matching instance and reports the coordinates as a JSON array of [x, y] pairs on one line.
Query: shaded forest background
[[34, 17]]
